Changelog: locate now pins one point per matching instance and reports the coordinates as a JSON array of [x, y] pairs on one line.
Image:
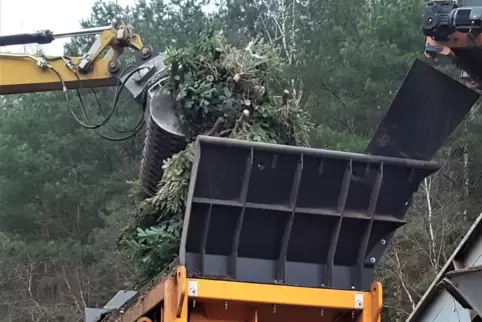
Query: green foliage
[[282, 124], [174, 185], [155, 247], [330, 139], [212, 81]]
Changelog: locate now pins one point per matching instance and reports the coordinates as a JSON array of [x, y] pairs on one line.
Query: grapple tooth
[[427, 108], [164, 138]]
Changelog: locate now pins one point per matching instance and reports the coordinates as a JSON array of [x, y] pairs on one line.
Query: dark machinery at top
[[443, 18], [453, 29]]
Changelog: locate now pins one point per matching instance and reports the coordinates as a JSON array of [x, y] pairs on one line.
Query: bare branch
[[402, 280], [427, 183]]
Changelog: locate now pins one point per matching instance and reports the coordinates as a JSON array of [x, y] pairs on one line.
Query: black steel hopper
[[427, 108], [270, 213]]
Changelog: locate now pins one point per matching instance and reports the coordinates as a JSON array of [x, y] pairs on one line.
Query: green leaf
[[227, 92], [141, 232]]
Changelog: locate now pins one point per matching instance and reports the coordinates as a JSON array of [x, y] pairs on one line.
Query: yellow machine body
[[183, 299]]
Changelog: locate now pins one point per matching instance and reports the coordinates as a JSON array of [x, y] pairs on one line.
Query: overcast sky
[[25, 16]]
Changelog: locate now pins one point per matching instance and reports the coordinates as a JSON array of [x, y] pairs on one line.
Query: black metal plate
[[470, 60], [426, 110], [271, 213]]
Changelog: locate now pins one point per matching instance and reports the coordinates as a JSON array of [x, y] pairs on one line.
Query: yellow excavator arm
[[25, 73], [106, 63]]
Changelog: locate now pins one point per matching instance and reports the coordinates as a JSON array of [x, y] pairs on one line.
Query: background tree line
[[64, 190]]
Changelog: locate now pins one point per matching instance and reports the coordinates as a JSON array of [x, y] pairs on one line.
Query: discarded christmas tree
[[221, 91]]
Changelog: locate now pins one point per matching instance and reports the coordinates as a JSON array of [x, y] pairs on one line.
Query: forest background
[[64, 194]]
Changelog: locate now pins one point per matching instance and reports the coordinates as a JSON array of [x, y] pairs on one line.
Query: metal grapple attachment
[[270, 213], [164, 138]]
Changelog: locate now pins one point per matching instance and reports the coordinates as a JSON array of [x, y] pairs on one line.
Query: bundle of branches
[[220, 91]]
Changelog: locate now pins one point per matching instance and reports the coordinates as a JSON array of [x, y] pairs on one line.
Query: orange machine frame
[[457, 40], [183, 299]]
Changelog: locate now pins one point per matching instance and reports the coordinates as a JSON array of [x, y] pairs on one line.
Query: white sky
[[26, 16]]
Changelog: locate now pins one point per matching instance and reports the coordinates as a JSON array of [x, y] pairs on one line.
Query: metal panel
[[426, 110], [458, 287], [465, 285], [145, 76], [119, 300], [469, 3], [271, 213], [94, 315], [445, 309]]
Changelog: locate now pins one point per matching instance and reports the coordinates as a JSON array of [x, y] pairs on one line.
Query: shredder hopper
[[267, 213]]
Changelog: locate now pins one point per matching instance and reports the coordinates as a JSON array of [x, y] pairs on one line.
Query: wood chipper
[[276, 233], [281, 233], [272, 233]]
